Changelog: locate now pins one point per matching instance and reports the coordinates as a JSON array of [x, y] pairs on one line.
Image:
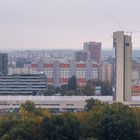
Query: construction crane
[[132, 32]]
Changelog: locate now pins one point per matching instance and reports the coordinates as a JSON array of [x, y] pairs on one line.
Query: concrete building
[[16, 70], [94, 49], [123, 53], [135, 79], [56, 103], [24, 84], [58, 73], [3, 63], [107, 72], [135, 71], [81, 56]]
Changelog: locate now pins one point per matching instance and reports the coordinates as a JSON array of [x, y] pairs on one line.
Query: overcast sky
[[65, 24]]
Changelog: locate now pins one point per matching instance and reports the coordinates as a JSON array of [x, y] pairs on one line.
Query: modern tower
[[94, 48], [3, 63], [123, 57], [81, 56]]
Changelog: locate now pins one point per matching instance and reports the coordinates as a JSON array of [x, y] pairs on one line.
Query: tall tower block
[[123, 57]]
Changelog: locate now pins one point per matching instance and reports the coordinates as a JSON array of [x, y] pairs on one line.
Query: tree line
[[98, 121], [73, 89]]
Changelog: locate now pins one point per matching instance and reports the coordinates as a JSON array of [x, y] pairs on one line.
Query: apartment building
[[58, 73]]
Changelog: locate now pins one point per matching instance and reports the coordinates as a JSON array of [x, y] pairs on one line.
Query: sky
[[66, 24]]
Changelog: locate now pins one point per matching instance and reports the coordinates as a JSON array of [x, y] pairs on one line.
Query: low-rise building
[[24, 84]]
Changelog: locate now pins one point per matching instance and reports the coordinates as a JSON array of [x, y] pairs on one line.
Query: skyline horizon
[[74, 48], [66, 24], [59, 49]]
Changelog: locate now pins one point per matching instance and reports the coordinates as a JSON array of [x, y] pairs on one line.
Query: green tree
[[49, 92], [113, 122], [70, 93], [106, 88], [19, 133], [6, 125], [60, 128], [92, 103], [64, 89], [72, 84], [28, 106], [89, 89], [5, 137]]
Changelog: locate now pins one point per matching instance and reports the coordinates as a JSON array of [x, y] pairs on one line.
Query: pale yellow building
[[107, 72]]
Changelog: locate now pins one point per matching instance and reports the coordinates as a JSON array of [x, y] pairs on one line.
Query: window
[[127, 44]]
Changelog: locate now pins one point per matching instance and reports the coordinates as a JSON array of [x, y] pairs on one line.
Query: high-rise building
[[123, 53], [3, 63], [107, 72], [94, 48], [81, 56]]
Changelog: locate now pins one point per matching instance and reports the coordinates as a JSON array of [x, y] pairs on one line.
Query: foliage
[[114, 121], [73, 89], [89, 89], [61, 128], [64, 89], [92, 103], [106, 88], [28, 106], [72, 84], [49, 92], [70, 93], [99, 122]]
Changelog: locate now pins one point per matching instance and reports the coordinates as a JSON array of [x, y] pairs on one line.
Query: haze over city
[[65, 24]]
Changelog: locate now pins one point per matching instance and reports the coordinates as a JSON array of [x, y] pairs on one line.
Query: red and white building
[[58, 73], [136, 79]]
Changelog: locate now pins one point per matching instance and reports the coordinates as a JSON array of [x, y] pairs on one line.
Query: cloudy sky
[[66, 24]]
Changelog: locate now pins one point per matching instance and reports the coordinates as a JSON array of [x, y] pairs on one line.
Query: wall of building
[[24, 84], [107, 72], [58, 73], [123, 58], [94, 49], [3, 63]]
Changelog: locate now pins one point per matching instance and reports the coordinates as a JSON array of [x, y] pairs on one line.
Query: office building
[[3, 63], [81, 56], [94, 49], [24, 84], [123, 53]]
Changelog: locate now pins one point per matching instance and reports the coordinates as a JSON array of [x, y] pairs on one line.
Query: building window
[[127, 44]]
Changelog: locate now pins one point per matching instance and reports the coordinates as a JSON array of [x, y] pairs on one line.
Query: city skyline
[[61, 24]]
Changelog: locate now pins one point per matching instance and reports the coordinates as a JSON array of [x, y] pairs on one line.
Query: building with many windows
[[81, 56], [94, 49], [3, 63], [107, 72], [24, 84], [58, 73]]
